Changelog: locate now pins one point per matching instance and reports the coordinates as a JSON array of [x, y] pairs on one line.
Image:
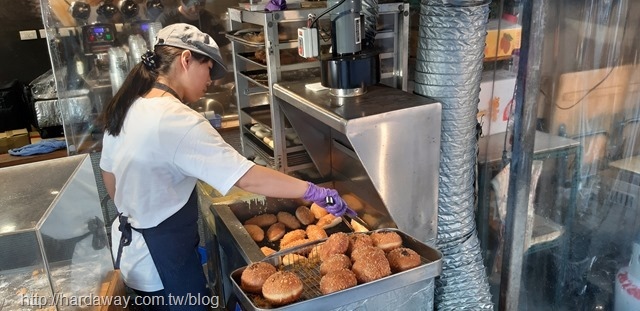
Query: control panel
[[98, 38]]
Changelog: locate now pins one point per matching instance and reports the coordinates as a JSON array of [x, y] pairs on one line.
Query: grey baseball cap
[[189, 37]]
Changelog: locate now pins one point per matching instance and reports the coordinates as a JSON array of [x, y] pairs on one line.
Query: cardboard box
[[503, 40], [13, 139], [496, 99]]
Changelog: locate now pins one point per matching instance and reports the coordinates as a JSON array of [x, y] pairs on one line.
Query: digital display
[[144, 27], [98, 30]]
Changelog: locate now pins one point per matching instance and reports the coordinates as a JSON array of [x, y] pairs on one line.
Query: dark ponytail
[[139, 81]]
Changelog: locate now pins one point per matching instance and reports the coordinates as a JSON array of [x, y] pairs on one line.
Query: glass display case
[[54, 252]]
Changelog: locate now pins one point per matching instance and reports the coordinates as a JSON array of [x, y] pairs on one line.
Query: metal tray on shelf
[[259, 146], [244, 36], [309, 272], [261, 114], [250, 57], [259, 77]]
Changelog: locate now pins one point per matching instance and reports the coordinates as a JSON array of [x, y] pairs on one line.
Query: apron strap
[[125, 237]]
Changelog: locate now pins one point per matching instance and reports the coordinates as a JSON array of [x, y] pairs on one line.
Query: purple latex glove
[[276, 5], [328, 199]]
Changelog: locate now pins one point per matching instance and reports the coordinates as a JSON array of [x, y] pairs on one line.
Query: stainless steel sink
[[219, 99]]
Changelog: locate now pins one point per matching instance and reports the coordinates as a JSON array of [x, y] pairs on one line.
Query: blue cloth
[[41, 147]]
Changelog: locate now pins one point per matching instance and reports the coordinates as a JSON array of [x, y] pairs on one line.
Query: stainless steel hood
[[383, 147]]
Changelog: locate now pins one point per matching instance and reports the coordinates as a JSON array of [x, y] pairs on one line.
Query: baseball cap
[[189, 37]]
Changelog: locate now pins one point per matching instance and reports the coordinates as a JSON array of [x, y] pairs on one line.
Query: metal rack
[[254, 78]]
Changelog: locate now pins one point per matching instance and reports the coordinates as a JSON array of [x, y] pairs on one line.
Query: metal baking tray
[[240, 36], [308, 271]]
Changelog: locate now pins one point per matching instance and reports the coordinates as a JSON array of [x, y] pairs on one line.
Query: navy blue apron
[[173, 245]]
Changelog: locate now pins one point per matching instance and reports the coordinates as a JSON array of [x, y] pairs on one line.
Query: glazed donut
[[315, 232], [318, 211], [335, 262], [386, 240], [357, 227], [282, 288], [291, 236], [372, 267], [304, 215], [267, 251], [328, 221], [337, 243], [363, 252], [294, 243], [352, 201], [337, 280], [358, 240], [401, 259], [290, 259], [288, 220], [264, 220], [275, 232], [256, 233], [254, 276]]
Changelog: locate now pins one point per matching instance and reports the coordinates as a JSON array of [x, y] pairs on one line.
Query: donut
[[328, 221], [371, 267], [337, 243], [288, 220], [256, 233], [358, 240], [386, 240], [291, 236], [317, 211], [267, 251], [282, 288], [401, 259], [304, 215], [335, 262], [337, 280], [275, 232], [254, 276], [315, 232], [363, 252], [264, 220]]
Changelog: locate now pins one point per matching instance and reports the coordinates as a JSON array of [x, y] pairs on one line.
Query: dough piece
[[357, 227], [328, 221], [335, 262], [401, 259], [254, 276], [318, 211], [290, 259], [315, 232], [353, 202], [264, 220], [295, 243], [387, 241], [337, 280], [267, 251], [282, 288], [289, 237], [256, 233], [304, 215], [276, 232], [290, 221]]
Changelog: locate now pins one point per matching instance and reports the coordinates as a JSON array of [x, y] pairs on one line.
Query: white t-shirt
[[164, 147]]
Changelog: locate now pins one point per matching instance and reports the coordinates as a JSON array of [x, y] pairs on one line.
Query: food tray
[[259, 77], [242, 36], [262, 114], [250, 57], [308, 271]]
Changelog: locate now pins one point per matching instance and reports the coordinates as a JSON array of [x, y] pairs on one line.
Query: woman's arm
[[109, 183], [271, 183]]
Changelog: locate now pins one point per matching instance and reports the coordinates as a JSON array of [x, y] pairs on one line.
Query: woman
[[155, 148]]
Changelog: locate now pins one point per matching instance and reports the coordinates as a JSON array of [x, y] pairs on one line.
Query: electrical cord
[[587, 93]]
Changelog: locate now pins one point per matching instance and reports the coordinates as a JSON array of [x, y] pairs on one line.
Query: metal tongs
[[348, 215]]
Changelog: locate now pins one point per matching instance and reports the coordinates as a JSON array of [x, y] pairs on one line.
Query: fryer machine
[[379, 149]]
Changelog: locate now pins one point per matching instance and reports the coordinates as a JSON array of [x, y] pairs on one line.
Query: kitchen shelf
[[282, 64]]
